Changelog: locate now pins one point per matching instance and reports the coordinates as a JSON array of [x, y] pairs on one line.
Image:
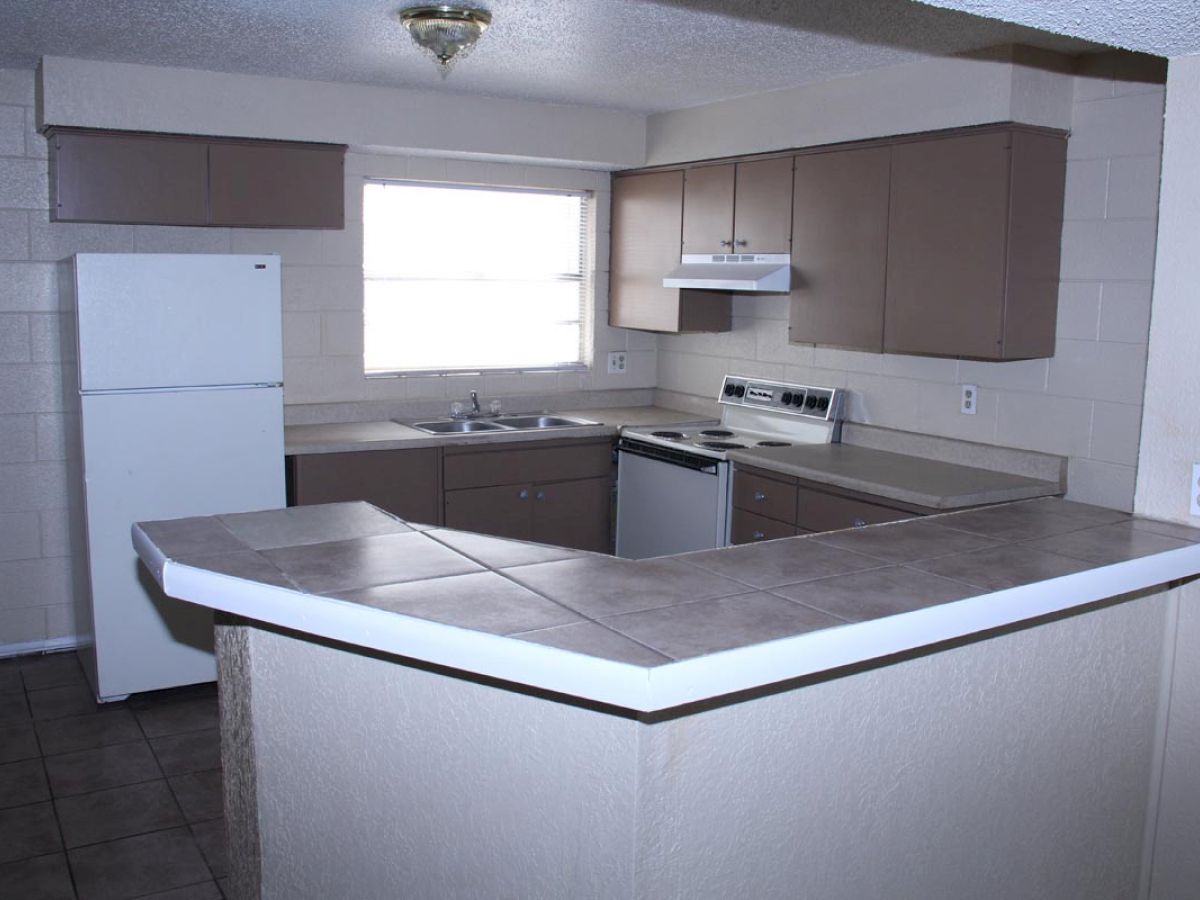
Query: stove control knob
[[823, 404], [740, 390], [811, 402], [798, 401], [728, 390], [786, 399]]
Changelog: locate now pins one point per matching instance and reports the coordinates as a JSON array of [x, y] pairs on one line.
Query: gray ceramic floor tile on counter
[[368, 561], [603, 586], [1002, 567], [901, 542], [861, 596], [1110, 543], [774, 563], [707, 626], [296, 526], [499, 553], [481, 601], [593, 639]]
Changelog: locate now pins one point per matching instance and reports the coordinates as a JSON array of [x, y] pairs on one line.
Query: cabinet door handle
[[860, 523], [741, 243], [540, 495], [524, 495], [726, 243], [758, 535], [759, 496]]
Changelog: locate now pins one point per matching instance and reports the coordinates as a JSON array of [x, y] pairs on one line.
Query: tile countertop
[[656, 634], [896, 476], [386, 435]]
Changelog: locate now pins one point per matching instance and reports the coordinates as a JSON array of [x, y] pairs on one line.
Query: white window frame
[[585, 278]]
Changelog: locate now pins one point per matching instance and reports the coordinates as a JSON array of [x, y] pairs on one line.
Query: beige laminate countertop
[[896, 476], [387, 435]]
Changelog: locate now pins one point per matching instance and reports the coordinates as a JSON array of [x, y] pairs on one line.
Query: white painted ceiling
[[643, 55]]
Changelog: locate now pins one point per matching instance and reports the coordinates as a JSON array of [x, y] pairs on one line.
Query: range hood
[[748, 272]]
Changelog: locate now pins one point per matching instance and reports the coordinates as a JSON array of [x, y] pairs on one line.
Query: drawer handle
[[759, 496], [758, 535], [524, 495], [860, 523], [541, 495]]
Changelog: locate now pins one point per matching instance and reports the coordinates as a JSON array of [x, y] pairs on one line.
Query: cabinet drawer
[[817, 511], [764, 496], [469, 467], [747, 528]]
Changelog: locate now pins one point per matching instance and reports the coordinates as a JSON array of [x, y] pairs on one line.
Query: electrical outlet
[[970, 400], [617, 361], [1194, 493]]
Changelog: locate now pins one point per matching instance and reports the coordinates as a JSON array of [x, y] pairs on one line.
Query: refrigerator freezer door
[[167, 455], [152, 320]]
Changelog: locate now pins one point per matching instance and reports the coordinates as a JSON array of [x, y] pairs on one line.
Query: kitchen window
[[463, 278]]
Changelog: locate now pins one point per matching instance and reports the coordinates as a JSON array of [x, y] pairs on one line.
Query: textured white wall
[[936, 777], [1170, 442], [1085, 402], [377, 780], [154, 98]]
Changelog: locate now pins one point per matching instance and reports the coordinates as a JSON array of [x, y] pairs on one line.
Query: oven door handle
[[672, 457]]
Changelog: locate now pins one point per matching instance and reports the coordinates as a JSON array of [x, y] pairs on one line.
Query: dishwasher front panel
[[665, 508]]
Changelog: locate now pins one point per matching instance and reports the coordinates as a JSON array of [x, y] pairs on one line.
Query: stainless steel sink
[[541, 421], [457, 426]]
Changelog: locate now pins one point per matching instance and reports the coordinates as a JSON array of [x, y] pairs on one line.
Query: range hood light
[[744, 272]]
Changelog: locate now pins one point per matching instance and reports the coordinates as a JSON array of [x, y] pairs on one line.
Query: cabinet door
[[505, 511], [647, 216], [403, 482], [130, 178], [276, 185], [839, 248], [818, 511], [574, 514], [762, 209], [748, 528], [947, 233], [708, 209]]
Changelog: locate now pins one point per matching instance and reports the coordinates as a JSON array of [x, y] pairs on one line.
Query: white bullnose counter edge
[[672, 684]]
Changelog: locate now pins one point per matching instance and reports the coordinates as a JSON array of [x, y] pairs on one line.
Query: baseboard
[[29, 648]]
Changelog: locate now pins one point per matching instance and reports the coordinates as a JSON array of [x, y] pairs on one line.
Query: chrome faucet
[[475, 403]]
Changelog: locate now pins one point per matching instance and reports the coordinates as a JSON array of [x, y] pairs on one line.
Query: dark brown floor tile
[[39, 878], [193, 751], [13, 707], [65, 700], [117, 812], [148, 699], [226, 886], [22, 783], [18, 741], [136, 866], [28, 831], [51, 670], [177, 718], [116, 726], [85, 771], [205, 890], [210, 838], [10, 676], [200, 795]]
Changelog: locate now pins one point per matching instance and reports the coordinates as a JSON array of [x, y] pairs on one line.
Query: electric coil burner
[[673, 485]]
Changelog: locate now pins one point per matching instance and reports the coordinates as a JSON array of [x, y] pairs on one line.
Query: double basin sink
[[536, 422]]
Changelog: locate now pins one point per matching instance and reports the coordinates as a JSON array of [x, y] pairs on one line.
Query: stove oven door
[[669, 501]]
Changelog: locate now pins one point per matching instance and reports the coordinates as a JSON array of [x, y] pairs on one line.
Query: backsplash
[[1084, 403]]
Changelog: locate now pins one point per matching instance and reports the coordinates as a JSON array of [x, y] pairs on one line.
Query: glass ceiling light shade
[[447, 33]]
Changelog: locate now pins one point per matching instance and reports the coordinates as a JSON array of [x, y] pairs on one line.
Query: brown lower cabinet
[[406, 483], [768, 505], [551, 492]]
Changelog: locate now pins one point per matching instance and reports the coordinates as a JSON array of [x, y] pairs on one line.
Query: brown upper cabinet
[[647, 216], [974, 235], [162, 179], [740, 207], [839, 248]]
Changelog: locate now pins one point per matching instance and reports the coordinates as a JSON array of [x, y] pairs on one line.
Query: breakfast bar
[[416, 711]]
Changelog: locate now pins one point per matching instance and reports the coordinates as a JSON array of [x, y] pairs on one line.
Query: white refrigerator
[[180, 401]]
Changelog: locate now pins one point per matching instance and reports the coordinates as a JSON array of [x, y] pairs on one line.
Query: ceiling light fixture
[[447, 33]]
